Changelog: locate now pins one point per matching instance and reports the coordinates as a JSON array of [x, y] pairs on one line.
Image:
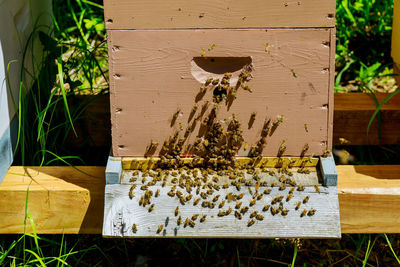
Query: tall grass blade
[[391, 249]]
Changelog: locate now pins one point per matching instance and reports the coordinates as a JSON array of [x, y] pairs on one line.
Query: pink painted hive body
[[156, 73]]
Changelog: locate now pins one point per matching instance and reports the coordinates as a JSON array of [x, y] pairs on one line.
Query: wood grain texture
[[151, 78], [353, 112], [121, 213], [158, 14], [369, 199]]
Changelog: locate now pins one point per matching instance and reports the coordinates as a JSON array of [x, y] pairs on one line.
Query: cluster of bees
[[221, 192], [214, 168]]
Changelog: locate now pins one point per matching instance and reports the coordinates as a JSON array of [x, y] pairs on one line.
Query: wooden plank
[[156, 74], [62, 199], [121, 213], [158, 14], [353, 112]]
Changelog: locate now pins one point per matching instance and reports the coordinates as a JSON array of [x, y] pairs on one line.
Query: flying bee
[[244, 210], [317, 189], [266, 207], [131, 194], [260, 217], [203, 218], [179, 221], [221, 204], [151, 208], [289, 197], [311, 212], [253, 214], [238, 215], [305, 200], [284, 212], [306, 127], [194, 217], [252, 202], [160, 228], [134, 228], [251, 222], [300, 188], [303, 213], [176, 211]]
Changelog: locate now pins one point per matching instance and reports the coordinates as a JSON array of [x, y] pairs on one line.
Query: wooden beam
[[64, 200], [353, 112]]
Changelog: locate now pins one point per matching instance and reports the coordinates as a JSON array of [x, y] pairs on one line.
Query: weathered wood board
[[155, 73], [121, 213], [159, 14]]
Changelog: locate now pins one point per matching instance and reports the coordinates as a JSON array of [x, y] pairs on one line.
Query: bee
[[160, 228], [252, 202], [305, 149], [240, 196], [210, 191], [311, 212], [276, 200], [151, 208], [238, 215], [303, 213], [171, 193], [227, 75], [238, 204], [250, 191], [176, 211], [215, 199], [157, 193], [215, 81], [251, 222], [179, 221], [267, 191], [247, 88], [188, 198], [225, 186], [182, 200], [305, 200], [326, 153], [186, 223], [164, 183], [274, 211], [317, 189], [203, 195], [221, 213], [253, 116], [260, 217], [300, 188], [191, 223], [143, 187], [282, 187], [196, 201], [208, 81], [297, 205], [306, 127], [282, 148], [284, 212], [141, 201], [289, 197], [244, 210], [134, 228], [228, 211], [194, 217], [266, 207], [253, 214], [203, 218], [205, 204], [131, 194], [291, 190], [273, 184], [221, 204]]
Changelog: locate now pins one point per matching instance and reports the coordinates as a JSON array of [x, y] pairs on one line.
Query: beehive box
[[183, 76]]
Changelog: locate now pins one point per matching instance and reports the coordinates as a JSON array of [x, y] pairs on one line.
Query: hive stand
[[121, 212]]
